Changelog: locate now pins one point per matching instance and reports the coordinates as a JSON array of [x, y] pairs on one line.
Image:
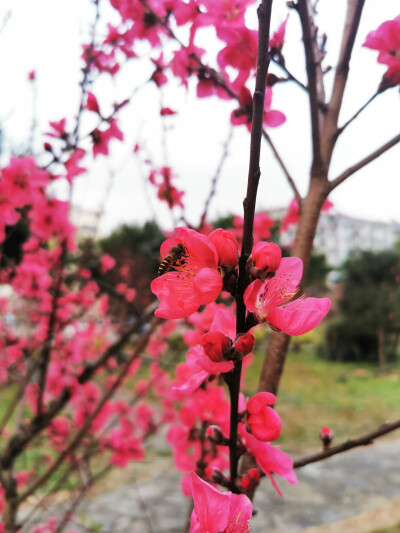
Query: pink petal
[[251, 294], [274, 118], [211, 506], [259, 401], [207, 285], [300, 316]]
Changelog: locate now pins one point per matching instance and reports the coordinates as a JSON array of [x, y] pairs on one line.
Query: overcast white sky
[[45, 35]]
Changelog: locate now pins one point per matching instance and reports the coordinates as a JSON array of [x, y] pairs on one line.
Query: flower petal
[[207, 285], [300, 316]]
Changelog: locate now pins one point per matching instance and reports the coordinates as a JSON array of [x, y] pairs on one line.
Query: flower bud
[[227, 247], [263, 421], [266, 256], [326, 435], [214, 434], [214, 343], [245, 343], [250, 479]]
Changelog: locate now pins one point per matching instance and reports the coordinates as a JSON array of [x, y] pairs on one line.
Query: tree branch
[[249, 204], [353, 16], [351, 170], [315, 79], [364, 440], [283, 166]]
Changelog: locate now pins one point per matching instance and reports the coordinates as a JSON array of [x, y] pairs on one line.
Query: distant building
[[85, 221], [339, 236]]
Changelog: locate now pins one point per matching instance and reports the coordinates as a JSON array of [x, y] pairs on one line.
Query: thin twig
[[354, 168], [283, 166], [364, 440], [315, 78], [289, 75], [214, 181], [342, 128]]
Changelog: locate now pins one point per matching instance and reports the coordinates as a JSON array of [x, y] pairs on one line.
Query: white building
[[339, 236]]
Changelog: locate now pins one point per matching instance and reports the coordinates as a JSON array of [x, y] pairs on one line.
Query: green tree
[[369, 325]]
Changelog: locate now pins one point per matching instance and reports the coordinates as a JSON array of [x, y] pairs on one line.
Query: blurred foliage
[[369, 324]]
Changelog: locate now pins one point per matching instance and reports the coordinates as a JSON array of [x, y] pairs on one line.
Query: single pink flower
[[196, 280], [386, 39], [266, 299], [218, 512], [263, 421]]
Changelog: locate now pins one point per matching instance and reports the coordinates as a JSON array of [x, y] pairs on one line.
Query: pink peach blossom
[[266, 299], [218, 512], [196, 281]]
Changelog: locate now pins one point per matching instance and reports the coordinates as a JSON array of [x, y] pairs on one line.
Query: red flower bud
[[245, 343], [266, 256], [326, 435], [47, 146], [214, 343], [227, 247], [254, 474], [214, 434], [246, 483]]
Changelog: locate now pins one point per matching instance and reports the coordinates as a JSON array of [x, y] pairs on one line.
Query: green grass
[[350, 398]]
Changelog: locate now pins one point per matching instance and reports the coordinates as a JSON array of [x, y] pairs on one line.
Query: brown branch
[[216, 176], [353, 16], [290, 76], [353, 169], [364, 440], [283, 166], [315, 78], [249, 204]]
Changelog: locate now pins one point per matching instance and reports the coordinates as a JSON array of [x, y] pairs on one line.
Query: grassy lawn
[[350, 398]]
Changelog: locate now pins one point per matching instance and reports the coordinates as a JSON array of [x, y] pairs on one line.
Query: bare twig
[[283, 166], [342, 128], [217, 174], [353, 16], [315, 79], [374, 155], [364, 440]]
